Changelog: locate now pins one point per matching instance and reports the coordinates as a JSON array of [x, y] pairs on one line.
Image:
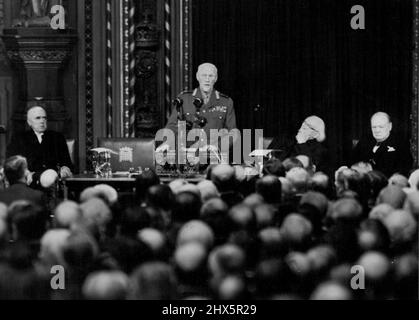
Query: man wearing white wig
[[308, 141]]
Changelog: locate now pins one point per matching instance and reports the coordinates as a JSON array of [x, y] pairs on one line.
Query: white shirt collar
[[39, 136]]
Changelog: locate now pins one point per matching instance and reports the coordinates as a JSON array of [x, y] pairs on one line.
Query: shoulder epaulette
[[224, 95], [185, 92]]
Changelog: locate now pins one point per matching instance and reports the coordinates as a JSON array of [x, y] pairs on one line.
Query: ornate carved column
[[415, 85], [39, 55], [147, 40]]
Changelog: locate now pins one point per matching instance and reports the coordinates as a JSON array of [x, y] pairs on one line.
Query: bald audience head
[[208, 190], [155, 239], [224, 177], [52, 246], [190, 257], [106, 285], [196, 231], [66, 214], [331, 291], [392, 195]]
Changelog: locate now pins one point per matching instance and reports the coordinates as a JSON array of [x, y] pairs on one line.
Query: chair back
[[130, 153]]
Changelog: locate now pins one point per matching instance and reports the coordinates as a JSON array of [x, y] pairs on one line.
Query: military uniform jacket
[[219, 112], [49, 154]]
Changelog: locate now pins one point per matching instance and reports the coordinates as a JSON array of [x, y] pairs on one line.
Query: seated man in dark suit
[[16, 172], [308, 141], [44, 149], [384, 151]]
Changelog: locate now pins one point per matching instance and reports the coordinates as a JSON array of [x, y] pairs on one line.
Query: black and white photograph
[[211, 155]]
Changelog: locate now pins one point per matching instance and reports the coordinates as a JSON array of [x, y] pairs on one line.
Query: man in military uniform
[[203, 108]]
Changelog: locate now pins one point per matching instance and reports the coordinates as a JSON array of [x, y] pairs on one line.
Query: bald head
[[381, 126], [66, 214], [106, 285], [37, 119]]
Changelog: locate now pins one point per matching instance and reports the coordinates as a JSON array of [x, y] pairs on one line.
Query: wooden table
[[122, 183]]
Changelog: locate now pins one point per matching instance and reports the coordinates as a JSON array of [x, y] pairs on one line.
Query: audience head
[[80, 252], [414, 180], [66, 214], [274, 167], [52, 246], [144, 181], [106, 285], [314, 206], [377, 181], [376, 267], [96, 214], [331, 290], [411, 204], [187, 207], [224, 177], [153, 281], [196, 231], [392, 195], [232, 288], [296, 231], [176, 184], [373, 236], [215, 213], [28, 221], [190, 261], [299, 178], [265, 215], [269, 187], [155, 240], [402, 227], [242, 217], [320, 183], [226, 259], [399, 180], [208, 190], [291, 163], [362, 167], [107, 193], [160, 196], [406, 277], [346, 210], [16, 169]]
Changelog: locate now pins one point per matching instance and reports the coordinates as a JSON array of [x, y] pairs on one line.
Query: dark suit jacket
[[315, 150], [20, 191], [393, 156], [50, 154]]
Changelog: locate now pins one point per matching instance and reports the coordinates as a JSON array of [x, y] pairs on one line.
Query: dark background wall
[[294, 58]]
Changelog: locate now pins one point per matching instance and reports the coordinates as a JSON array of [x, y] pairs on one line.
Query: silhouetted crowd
[[291, 234]]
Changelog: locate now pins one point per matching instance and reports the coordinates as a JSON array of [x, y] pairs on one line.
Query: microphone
[[178, 103], [198, 103]]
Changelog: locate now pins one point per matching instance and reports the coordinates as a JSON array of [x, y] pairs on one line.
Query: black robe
[[52, 153], [313, 149]]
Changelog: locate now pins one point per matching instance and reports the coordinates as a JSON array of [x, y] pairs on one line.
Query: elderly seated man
[[308, 141]]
